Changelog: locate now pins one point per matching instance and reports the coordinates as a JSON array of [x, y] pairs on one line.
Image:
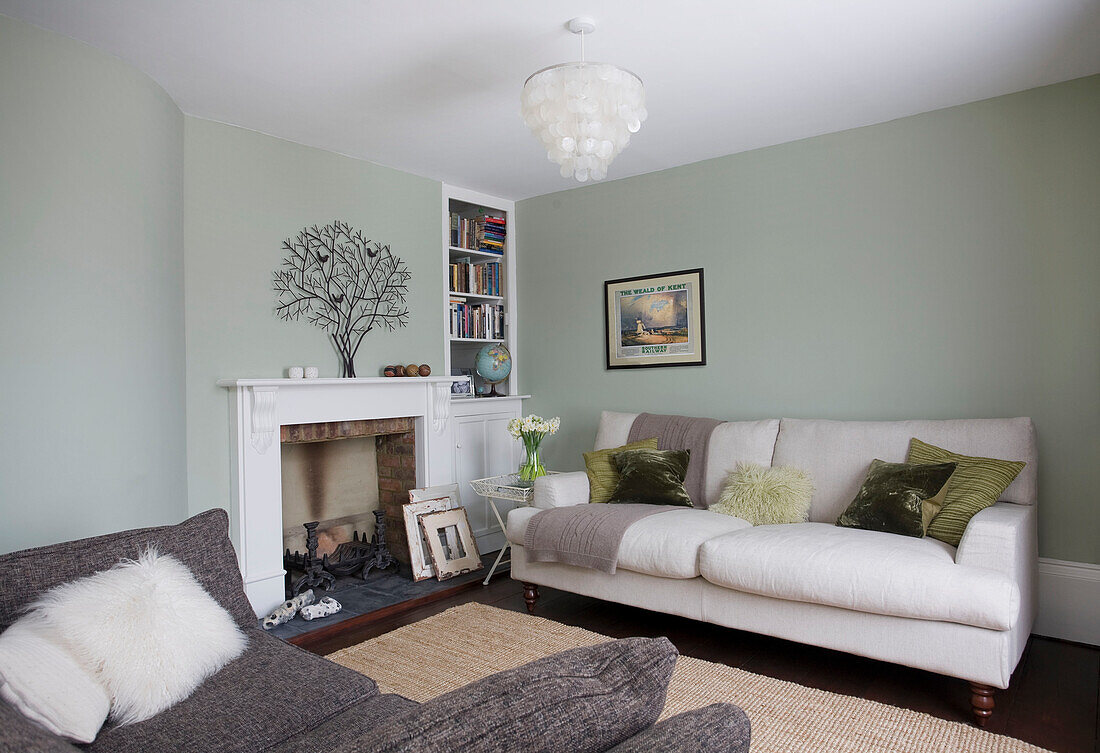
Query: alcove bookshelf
[[479, 280]]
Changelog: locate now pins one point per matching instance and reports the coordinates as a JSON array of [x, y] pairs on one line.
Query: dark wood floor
[[1053, 701]]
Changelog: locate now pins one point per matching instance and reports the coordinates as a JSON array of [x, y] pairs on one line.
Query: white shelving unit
[[459, 351], [483, 446]]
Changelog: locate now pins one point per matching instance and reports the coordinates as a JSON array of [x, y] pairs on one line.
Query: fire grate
[[351, 557]]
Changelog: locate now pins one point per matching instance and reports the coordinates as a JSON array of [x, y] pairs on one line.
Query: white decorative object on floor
[[289, 608], [41, 679], [295, 372], [151, 632], [324, 608]]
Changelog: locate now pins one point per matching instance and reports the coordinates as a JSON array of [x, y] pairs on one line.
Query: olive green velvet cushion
[[602, 476], [894, 495], [976, 484], [651, 477]]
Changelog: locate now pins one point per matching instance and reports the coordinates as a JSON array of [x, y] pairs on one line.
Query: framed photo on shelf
[[465, 388], [655, 320]]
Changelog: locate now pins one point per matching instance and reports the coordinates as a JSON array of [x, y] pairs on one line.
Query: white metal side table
[[506, 488]]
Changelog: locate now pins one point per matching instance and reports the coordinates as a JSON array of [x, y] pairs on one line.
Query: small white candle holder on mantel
[[295, 372], [311, 372]]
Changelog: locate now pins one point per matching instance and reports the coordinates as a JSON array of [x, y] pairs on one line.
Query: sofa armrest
[[561, 490], [1003, 538], [999, 538]]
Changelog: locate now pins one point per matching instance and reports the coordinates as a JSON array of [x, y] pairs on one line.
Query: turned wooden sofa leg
[[981, 702], [530, 596]]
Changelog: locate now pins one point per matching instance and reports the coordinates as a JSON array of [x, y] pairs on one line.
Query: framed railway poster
[[655, 320]]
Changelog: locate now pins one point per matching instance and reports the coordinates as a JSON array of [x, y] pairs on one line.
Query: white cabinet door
[[483, 447]]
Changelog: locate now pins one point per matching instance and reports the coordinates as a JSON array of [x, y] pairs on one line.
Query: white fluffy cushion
[[766, 496], [147, 630], [45, 683]]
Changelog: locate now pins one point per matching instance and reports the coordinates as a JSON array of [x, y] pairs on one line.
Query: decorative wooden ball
[[412, 370], [399, 370], [425, 370], [389, 371]]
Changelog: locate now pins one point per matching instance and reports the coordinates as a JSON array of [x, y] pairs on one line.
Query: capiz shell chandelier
[[583, 112]]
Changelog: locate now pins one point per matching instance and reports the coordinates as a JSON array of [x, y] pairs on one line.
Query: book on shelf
[[483, 321], [481, 233], [478, 279]]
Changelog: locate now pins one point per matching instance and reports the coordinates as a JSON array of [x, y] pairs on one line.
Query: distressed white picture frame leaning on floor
[[451, 543], [423, 501]]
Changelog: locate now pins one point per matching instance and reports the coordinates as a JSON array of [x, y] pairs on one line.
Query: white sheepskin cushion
[[765, 496], [42, 680], [146, 629]]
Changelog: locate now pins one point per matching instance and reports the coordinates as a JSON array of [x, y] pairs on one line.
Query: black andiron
[[357, 555]]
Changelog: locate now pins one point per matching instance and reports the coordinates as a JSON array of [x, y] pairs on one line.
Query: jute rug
[[463, 644]]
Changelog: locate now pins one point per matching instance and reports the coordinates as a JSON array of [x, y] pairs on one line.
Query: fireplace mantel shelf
[[393, 381]]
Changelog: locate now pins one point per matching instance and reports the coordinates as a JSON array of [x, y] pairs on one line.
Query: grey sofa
[[277, 697]]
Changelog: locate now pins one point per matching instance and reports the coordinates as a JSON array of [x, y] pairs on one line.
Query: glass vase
[[531, 468]]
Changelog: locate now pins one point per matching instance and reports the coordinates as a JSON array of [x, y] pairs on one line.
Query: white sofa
[[963, 612]]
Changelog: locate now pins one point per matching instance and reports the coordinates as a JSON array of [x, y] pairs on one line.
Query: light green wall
[[244, 194], [91, 293], [941, 265], [946, 264]]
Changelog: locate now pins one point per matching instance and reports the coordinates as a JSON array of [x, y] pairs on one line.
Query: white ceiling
[[433, 87]]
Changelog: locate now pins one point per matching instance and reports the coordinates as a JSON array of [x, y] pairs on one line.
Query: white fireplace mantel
[[258, 407]]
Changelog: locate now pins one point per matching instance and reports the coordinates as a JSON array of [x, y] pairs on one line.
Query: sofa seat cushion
[[718, 728], [348, 728], [18, 733], [274, 691], [866, 571], [665, 545]]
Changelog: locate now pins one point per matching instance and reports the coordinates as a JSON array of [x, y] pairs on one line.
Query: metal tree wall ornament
[[341, 281]]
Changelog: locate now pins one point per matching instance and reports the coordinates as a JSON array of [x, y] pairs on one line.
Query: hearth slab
[[379, 590]]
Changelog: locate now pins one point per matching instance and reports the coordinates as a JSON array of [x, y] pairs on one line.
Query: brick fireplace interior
[[338, 473]]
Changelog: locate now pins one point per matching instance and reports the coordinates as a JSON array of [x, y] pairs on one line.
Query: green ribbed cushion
[[603, 477], [975, 485]]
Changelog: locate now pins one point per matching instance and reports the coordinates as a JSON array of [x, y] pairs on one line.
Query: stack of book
[[489, 233], [476, 320], [482, 233], [482, 279]]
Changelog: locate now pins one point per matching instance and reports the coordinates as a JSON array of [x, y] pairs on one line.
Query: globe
[[493, 363]]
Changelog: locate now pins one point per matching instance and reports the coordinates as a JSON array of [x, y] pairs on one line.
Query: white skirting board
[[1069, 601]]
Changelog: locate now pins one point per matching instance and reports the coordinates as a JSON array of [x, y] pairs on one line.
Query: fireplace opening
[[345, 482]]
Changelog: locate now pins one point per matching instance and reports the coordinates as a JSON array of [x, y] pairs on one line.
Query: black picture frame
[[697, 356]]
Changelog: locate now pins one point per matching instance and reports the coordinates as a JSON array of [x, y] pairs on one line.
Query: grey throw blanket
[[584, 535], [680, 433]]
